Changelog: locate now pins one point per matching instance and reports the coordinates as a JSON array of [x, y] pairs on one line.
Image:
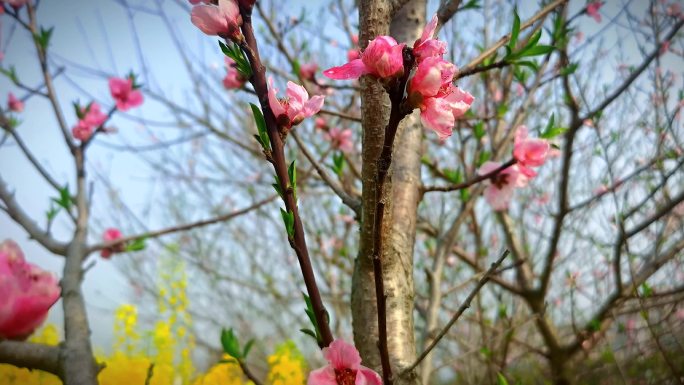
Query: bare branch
[[30, 355]]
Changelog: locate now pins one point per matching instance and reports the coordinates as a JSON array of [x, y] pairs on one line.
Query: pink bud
[[110, 235], [529, 152], [308, 70], [233, 78], [223, 20], [14, 104], [382, 58]]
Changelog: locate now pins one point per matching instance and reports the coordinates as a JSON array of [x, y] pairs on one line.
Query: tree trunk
[[399, 228]]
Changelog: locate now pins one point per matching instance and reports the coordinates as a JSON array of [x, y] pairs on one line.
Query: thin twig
[[464, 306]]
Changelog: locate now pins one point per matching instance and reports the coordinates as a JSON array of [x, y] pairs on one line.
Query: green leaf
[[570, 69], [484, 156], [247, 348], [292, 173], [454, 176], [230, 344], [65, 200], [11, 73], [52, 212], [309, 332], [277, 188], [42, 38], [261, 127], [536, 51], [234, 52], [515, 31], [528, 63], [310, 313], [594, 325], [472, 4], [534, 39], [464, 195], [296, 67], [136, 245], [338, 163], [501, 380], [646, 290], [288, 219], [479, 130]]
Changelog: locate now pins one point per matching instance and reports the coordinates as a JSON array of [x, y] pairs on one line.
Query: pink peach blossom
[[124, 94], [353, 54], [529, 152], [344, 367], [432, 74], [593, 10], [111, 234], [82, 131], [427, 46], [340, 139], [382, 58], [27, 293], [14, 104], [291, 110], [223, 20], [664, 47], [308, 70], [502, 185], [440, 112]]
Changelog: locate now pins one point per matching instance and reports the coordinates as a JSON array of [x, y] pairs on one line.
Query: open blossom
[[233, 78], [27, 293], [91, 118], [502, 185], [439, 101], [223, 20], [382, 58], [340, 139], [291, 110], [427, 46], [109, 235], [593, 10], [308, 70], [529, 152], [14, 104], [344, 367], [124, 93]]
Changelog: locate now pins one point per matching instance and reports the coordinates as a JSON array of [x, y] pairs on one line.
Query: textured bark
[[400, 210], [78, 364]]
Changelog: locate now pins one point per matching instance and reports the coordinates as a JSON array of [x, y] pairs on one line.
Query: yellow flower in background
[[287, 365], [227, 373]]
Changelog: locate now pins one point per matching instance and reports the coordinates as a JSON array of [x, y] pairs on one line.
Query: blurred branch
[[175, 229], [352, 202], [464, 306], [24, 220], [31, 356]]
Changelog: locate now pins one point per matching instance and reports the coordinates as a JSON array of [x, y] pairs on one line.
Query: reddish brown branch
[[297, 241]]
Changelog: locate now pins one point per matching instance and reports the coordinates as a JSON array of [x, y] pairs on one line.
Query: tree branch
[[30, 355]]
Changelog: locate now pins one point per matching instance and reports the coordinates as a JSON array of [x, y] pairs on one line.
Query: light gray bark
[[403, 182]]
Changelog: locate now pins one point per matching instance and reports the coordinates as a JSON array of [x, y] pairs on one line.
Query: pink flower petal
[[352, 70]]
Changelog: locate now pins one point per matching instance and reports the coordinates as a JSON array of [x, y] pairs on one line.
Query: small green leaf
[[230, 344], [309, 332], [454, 176], [594, 325], [536, 51], [464, 195], [234, 52], [570, 69], [42, 38], [277, 188], [52, 212], [646, 290], [11, 73], [501, 380], [338, 163], [479, 130], [288, 219], [484, 156], [136, 245], [247, 348], [296, 68], [65, 200], [261, 127], [515, 31], [292, 173]]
